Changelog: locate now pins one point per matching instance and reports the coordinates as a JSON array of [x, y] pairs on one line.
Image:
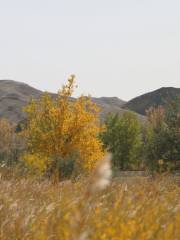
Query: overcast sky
[[117, 48]]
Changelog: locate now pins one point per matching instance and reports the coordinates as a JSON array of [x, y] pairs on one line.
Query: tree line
[[63, 137]]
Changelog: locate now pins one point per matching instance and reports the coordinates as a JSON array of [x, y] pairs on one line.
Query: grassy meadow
[[134, 208]]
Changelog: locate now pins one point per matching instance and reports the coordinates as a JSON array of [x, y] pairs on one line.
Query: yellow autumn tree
[[60, 128]]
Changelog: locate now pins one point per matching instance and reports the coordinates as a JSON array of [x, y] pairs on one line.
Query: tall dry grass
[[93, 208]]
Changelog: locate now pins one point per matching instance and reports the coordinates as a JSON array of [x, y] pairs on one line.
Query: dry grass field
[[133, 209]]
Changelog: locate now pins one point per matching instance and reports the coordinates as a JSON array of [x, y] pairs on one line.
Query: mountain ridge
[[161, 96], [15, 95]]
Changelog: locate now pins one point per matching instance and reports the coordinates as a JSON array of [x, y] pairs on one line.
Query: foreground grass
[[140, 209]]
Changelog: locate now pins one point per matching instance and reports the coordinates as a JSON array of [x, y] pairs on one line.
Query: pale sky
[[117, 48]]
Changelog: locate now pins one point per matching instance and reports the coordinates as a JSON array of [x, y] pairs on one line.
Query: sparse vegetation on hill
[[14, 96]]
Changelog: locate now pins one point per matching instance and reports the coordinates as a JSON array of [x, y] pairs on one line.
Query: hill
[[15, 95], [155, 98]]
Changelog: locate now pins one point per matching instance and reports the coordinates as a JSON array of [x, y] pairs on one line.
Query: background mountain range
[[15, 95]]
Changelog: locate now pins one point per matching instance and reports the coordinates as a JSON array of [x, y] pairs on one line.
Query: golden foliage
[[62, 126]]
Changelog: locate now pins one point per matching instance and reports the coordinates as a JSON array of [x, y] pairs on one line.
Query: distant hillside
[[116, 102], [152, 99], [15, 95]]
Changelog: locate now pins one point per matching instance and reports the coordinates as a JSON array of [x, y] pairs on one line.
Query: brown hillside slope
[[15, 95]]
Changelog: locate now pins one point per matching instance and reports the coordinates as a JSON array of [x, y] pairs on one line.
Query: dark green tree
[[123, 138], [155, 137], [172, 120], [162, 140]]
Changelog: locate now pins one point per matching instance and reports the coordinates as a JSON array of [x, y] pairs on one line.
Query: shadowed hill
[[156, 98]]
